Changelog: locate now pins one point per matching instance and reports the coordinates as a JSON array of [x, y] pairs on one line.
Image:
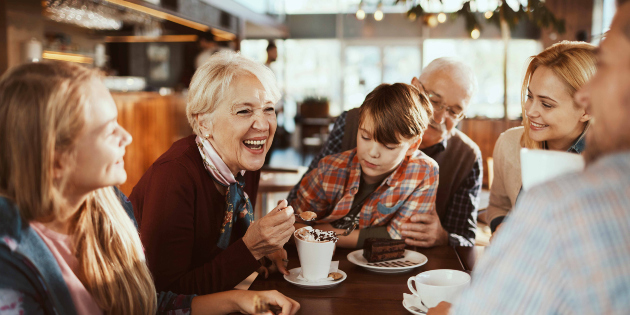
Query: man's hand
[[424, 230], [496, 230], [441, 309], [268, 234]]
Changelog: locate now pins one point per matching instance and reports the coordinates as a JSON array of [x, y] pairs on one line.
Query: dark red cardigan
[[179, 213]]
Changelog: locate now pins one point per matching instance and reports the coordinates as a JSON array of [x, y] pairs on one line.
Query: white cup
[[315, 258], [435, 286], [539, 166]]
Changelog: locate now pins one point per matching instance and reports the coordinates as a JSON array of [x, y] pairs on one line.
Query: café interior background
[[331, 53]]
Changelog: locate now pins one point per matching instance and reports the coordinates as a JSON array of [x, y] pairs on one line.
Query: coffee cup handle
[[410, 285]]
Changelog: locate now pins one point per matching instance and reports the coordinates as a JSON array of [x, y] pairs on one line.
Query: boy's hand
[[424, 230], [349, 241]]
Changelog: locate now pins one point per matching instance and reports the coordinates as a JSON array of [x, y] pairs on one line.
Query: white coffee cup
[[539, 166], [315, 258], [435, 286]]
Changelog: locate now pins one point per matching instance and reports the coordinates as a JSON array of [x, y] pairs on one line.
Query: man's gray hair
[[458, 70], [211, 81]]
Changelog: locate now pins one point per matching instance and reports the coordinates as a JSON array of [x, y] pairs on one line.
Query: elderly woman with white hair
[[193, 205]]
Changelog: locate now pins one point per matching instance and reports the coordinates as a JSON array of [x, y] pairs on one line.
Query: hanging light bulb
[[412, 16], [432, 20], [378, 15], [475, 33], [360, 14], [441, 17], [488, 14]]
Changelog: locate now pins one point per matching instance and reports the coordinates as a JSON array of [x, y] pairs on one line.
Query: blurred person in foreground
[[564, 249], [449, 84]]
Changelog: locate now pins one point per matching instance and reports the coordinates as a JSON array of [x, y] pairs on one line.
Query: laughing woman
[[551, 119], [192, 205], [67, 245]]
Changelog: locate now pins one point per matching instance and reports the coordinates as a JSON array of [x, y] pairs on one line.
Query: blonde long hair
[[42, 110], [573, 62]]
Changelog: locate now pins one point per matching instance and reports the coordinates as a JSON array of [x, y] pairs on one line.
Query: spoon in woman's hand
[[307, 216]]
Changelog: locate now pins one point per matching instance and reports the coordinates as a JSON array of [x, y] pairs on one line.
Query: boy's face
[[378, 160]]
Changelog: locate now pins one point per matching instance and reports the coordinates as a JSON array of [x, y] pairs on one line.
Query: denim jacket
[[30, 278]]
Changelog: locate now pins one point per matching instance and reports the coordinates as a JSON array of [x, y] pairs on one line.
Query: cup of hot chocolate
[[315, 250]]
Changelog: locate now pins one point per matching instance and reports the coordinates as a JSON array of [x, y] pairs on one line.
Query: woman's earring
[[207, 135]]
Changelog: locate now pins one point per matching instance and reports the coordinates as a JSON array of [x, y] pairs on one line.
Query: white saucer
[[412, 259], [321, 284], [409, 299], [410, 310]]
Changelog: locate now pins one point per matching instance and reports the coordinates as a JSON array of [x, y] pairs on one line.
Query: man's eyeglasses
[[438, 105]]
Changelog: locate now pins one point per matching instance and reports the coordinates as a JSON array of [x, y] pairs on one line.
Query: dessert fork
[[350, 229]]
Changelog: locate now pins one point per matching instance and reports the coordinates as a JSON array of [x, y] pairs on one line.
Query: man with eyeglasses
[[450, 85]]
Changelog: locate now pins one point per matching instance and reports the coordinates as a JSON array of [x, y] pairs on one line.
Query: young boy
[[382, 182]]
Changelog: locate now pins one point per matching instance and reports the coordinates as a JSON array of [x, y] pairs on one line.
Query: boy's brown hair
[[396, 109]]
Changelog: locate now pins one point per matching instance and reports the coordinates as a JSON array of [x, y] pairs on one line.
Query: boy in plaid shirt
[[382, 182]]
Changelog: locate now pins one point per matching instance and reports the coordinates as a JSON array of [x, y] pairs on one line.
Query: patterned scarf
[[239, 208]]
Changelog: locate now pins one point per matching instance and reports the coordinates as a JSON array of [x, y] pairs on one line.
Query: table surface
[[363, 290]]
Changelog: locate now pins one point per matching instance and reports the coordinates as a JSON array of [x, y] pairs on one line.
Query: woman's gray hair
[[211, 82]]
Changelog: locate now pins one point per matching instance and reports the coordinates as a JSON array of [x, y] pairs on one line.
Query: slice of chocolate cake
[[381, 249]]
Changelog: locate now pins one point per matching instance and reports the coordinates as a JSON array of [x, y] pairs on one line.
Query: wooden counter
[[155, 122]]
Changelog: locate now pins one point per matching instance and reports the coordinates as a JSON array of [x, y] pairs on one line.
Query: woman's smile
[[536, 127], [255, 145]]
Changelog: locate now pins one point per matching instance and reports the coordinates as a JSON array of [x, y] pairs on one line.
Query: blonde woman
[[194, 205], [551, 119], [67, 246]]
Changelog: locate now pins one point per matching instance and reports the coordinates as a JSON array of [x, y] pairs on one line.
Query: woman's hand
[[241, 301], [247, 305], [268, 234], [279, 262]]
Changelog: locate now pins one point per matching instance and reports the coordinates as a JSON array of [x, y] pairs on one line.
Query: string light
[[475, 33], [360, 14], [378, 15], [488, 14], [441, 17], [432, 21]]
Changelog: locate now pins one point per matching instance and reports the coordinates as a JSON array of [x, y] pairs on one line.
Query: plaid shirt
[[461, 213], [565, 249], [329, 191]]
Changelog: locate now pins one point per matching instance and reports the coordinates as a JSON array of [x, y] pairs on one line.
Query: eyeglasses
[[453, 112]]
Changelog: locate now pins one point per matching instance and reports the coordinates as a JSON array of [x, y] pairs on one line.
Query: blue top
[[31, 279]]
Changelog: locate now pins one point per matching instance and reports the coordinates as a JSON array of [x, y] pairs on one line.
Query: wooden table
[[363, 292]]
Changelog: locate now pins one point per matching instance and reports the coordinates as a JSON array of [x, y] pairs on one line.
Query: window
[[362, 74], [315, 68], [486, 59], [305, 68]]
